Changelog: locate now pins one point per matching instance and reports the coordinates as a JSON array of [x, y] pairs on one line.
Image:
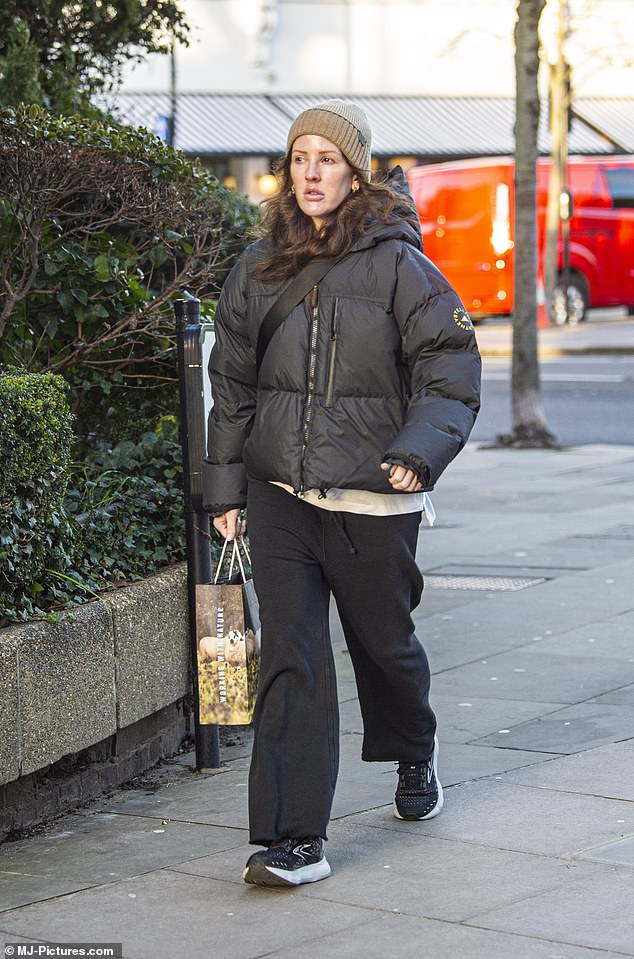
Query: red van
[[466, 211]]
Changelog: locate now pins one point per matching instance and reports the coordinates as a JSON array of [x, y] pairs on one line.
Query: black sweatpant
[[301, 554]]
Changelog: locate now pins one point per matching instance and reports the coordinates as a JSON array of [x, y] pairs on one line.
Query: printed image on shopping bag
[[228, 658]]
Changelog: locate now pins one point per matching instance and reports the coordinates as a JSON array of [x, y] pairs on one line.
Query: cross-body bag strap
[[299, 287]]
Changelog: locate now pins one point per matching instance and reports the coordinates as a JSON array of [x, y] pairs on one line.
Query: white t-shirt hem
[[366, 502]]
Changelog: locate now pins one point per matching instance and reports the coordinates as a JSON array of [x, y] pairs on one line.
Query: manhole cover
[[489, 584]]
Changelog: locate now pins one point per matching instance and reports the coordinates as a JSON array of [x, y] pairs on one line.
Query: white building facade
[[355, 48]]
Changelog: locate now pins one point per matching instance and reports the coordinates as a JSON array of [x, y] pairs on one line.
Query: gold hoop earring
[[355, 186], [293, 191]]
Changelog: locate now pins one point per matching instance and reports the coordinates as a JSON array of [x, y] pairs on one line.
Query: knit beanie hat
[[344, 124]]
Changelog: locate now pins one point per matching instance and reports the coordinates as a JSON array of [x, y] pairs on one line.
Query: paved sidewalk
[[606, 332], [528, 618]]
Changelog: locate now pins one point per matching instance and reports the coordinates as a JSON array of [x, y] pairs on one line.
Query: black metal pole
[[190, 376]]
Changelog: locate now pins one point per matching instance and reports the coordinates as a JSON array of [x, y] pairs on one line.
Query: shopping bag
[[228, 643]]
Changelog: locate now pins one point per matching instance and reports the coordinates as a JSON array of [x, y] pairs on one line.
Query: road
[[588, 399]]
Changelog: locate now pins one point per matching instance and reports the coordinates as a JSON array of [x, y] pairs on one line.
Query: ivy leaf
[[101, 268], [80, 295]]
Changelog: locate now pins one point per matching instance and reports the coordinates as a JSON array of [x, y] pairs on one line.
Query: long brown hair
[[293, 238]]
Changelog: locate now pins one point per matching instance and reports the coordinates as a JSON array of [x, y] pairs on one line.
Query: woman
[[367, 390]]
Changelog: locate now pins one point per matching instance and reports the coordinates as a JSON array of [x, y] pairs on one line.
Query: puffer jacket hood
[[396, 228], [380, 363], [392, 230]]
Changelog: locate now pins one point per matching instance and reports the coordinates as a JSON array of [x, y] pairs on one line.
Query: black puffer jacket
[[379, 363]]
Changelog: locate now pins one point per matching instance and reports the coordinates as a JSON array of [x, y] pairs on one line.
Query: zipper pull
[[314, 297], [333, 325]]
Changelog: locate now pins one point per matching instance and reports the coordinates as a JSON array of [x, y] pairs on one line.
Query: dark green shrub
[[127, 503], [101, 228], [70, 530], [36, 538]]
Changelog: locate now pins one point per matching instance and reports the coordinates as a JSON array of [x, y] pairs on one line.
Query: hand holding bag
[[228, 643]]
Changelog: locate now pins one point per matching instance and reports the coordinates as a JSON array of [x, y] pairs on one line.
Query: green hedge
[[127, 504], [36, 436], [71, 529]]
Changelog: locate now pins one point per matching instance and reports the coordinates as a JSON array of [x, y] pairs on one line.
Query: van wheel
[[577, 301]]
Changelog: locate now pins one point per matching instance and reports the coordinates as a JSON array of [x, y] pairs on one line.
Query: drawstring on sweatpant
[[340, 523]]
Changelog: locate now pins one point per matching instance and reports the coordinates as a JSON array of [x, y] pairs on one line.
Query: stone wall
[[108, 684]]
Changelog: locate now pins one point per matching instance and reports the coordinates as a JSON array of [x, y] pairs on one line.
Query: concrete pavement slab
[[361, 785], [620, 697], [392, 937], [620, 853], [373, 784], [567, 500], [464, 721], [605, 333], [495, 813], [571, 552], [437, 601], [452, 641], [540, 538], [221, 800], [218, 799], [463, 762], [524, 674], [414, 874], [513, 618], [588, 913], [346, 689], [99, 848], [168, 914], [22, 890], [569, 730], [606, 771], [613, 637], [350, 720], [562, 604]]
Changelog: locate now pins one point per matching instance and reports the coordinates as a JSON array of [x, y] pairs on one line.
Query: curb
[[549, 353]]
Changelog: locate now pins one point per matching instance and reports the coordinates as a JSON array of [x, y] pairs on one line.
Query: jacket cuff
[[224, 484], [410, 462]]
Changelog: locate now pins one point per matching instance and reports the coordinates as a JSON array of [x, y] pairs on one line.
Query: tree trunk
[[529, 423]]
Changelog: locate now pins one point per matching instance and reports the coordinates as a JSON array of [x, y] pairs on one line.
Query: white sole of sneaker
[[262, 875], [441, 799]]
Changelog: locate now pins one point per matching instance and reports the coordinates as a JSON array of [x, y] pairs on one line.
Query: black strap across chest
[[299, 287]]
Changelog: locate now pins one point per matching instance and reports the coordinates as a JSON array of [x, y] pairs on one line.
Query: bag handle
[[299, 287], [220, 561], [235, 554]]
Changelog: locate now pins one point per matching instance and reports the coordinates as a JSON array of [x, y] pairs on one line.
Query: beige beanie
[[344, 124]]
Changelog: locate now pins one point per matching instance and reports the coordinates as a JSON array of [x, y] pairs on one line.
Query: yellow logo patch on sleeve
[[462, 318]]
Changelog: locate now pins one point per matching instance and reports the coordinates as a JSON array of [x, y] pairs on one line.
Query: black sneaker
[[419, 793], [288, 863]]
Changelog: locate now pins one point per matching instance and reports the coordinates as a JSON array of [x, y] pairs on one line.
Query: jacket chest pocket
[[332, 355]]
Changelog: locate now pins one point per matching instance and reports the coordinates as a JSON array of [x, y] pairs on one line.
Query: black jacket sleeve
[[234, 387], [441, 355]]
